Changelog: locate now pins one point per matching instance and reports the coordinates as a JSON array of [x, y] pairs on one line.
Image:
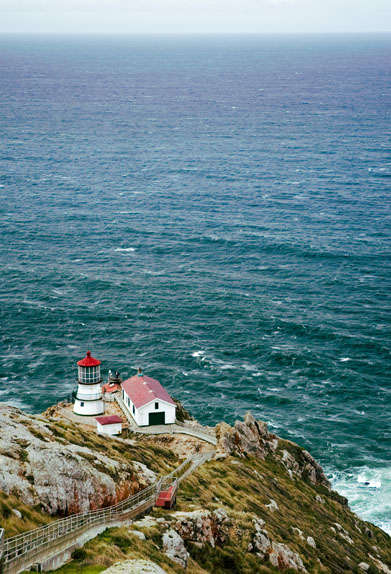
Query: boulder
[[380, 565], [277, 553], [138, 533], [203, 526], [135, 567], [272, 506], [174, 547], [311, 541], [283, 558]]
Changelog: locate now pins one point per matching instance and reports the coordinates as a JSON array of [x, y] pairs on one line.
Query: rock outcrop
[[211, 528], [135, 567], [174, 547], [278, 554], [62, 478], [203, 526], [246, 437], [252, 437]]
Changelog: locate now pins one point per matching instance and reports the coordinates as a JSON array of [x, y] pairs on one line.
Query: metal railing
[[35, 540], [122, 406], [87, 397], [197, 428], [25, 546], [1, 549]]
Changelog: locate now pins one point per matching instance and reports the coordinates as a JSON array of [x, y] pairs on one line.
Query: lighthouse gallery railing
[[31, 543]]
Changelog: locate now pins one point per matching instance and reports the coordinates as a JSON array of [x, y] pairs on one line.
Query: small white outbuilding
[[109, 424]]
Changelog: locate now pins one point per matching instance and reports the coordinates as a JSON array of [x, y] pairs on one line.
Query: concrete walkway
[[196, 431]]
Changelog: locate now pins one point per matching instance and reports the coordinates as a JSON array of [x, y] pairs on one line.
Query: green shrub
[[122, 542], [79, 554], [23, 455]]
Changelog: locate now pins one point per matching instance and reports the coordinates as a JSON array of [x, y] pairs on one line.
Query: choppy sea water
[[216, 211]]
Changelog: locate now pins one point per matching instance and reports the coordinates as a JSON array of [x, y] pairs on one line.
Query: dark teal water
[[217, 211]]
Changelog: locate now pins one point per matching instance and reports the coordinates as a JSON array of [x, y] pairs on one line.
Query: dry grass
[[245, 486], [31, 516], [157, 457]]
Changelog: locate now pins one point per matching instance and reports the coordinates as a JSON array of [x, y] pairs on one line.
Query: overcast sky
[[194, 16]]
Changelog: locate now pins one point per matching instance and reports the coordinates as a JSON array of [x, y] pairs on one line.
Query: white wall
[[89, 391], [141, 415], [129, 405], [89, 400], [88, 407], [150, 408], [114, 428]]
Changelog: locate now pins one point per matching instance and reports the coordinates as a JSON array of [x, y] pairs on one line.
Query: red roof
[[88, 361], [111, 388], [143, 389], [109, 420]]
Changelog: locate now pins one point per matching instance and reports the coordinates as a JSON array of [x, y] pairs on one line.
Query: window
[[156, 406], [134, 410], [81, 404], [89, 375]]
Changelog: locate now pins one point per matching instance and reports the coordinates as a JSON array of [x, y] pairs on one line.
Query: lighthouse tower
[[89, 400]]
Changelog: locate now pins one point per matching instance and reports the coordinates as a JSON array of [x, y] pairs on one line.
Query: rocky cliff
[[62, 469], [263, 505], [252, 438]]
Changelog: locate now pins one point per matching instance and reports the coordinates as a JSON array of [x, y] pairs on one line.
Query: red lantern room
[[89, 370]]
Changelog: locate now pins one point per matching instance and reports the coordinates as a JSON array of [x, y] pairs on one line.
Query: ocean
[[215, 210]]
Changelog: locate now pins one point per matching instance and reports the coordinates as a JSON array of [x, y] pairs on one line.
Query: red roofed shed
[[109, 424], [109, 419]]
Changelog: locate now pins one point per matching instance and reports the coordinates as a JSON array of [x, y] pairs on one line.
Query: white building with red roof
[[109, 424], [147, 401]]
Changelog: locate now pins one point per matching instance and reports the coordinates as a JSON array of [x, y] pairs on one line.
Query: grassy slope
[[240, 489], [157, 458], [244, 487]]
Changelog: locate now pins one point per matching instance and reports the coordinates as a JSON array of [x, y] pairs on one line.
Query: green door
[[157, 418]]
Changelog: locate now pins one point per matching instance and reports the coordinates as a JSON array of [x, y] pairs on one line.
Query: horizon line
[[100, 33]]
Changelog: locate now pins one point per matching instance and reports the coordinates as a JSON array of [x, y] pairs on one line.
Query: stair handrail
[[22, 544], [1, 549]]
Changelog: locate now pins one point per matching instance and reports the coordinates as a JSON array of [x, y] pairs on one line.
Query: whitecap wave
[[125, 249], [198, 354], [368, 491]]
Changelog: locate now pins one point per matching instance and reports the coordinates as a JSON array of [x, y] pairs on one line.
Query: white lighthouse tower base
[[88, 407]]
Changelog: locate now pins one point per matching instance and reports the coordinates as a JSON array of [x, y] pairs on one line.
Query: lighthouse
[[89, 400]]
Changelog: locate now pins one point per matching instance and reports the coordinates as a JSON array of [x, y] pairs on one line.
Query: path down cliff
[[262, 505]]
